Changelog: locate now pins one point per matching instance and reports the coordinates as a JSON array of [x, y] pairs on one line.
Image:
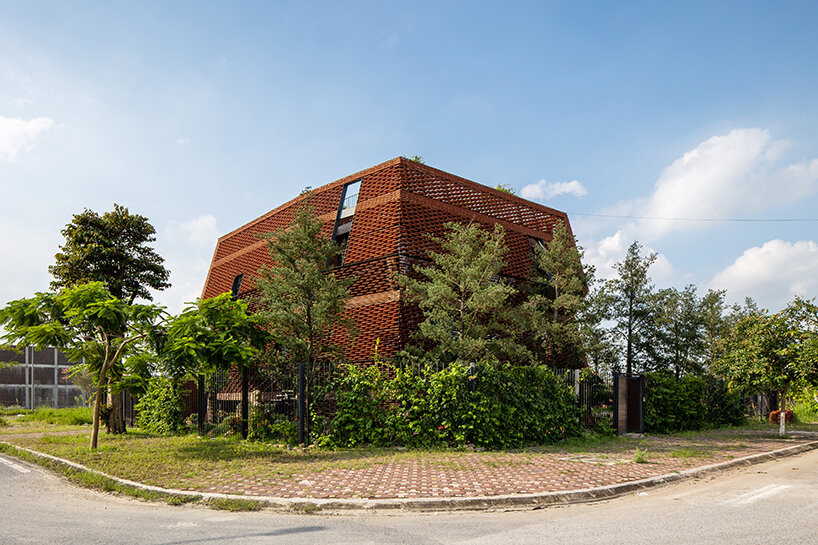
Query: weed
[[305, 508], [641, 456], [235, 504]]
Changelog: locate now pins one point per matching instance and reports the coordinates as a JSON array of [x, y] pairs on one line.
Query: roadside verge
[[91, 478]]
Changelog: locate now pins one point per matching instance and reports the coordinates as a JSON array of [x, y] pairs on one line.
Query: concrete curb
[[508, 501]]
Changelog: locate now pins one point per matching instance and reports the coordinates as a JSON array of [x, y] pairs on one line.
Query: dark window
[[536, 244], [234, 291]]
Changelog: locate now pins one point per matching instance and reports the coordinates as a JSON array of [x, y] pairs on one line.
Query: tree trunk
[[782, 415], [115, 424], [95, 427]]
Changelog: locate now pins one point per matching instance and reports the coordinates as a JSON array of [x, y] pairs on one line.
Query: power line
[[694, 219]]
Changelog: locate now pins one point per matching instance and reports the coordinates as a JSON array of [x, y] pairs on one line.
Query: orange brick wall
[[400, 203]]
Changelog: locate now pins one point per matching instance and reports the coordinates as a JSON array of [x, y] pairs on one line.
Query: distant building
[[39, 379], [383, 216]]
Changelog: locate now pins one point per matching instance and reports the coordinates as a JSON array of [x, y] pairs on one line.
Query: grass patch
[[3, 422], [12, 411], [589, 442], [74, 416], [641, 456], [235, 504]]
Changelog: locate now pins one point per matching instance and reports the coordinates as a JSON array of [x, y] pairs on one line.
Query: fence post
[[245, 405], [302, 404], [25, 374], [56, 380], [472, 377], [202, 406]]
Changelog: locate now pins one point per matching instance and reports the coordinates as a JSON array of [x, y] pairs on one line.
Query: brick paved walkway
[[491, 474]]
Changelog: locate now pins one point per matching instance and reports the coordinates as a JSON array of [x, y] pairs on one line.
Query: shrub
[[160, 409], [507, 407], [265, 424], [689, 403], [725, 408]]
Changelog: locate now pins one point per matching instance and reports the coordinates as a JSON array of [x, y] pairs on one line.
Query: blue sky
[[203, 116]]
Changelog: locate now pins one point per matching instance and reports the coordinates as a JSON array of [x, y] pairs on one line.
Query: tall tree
[[560, 282], [715, 326], [113, 248], [628, 298], [301, 300], [85, 321], [465, 302], [677, 342]]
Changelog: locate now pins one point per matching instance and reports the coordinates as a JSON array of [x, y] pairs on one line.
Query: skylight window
[[351, 195]]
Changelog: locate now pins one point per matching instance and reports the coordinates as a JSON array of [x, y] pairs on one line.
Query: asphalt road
[[775, 502]]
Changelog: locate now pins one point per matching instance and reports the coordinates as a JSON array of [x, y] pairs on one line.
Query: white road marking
[[759, 493], [16, 467]]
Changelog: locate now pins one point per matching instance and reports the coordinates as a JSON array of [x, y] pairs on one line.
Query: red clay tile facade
[[399, 204]]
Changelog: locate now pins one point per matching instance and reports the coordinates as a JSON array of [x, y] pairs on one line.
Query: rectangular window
[[234, 291], [350, 198]]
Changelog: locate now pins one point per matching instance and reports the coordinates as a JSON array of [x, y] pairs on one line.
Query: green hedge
[[689, 403], [160, 409], [508, 407]]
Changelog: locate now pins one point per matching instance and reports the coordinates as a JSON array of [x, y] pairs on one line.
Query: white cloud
[[773, 273], [202, 231], [606, 253], [544, 190], [727, 176], [17, 135]]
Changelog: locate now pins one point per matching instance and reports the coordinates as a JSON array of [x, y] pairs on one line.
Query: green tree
[[678, 332], [214, 334], [302, 302], [628, 299], [715, 326], [773, 351], [560, 282], [113, 248], [467, 314], [85, 321]]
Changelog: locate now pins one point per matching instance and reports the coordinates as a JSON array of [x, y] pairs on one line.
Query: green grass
[[641, 456], [12, 411], [74, 416]]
